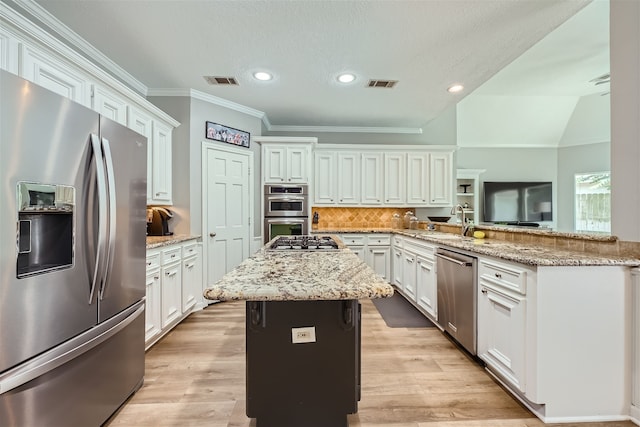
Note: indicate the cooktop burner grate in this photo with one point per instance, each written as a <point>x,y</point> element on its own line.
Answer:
<point>304,243</point>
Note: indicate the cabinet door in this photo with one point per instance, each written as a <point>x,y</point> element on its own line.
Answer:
<point>398,266</point>
<point>161,164</point>
<point>409,275</point>
<point>8,52</point>
<point>635,353</point>
<point>427,291</point>
<point>395,179</point>
<point>348,178</point>
<point>171,293</point>
<point>501,332</point>
<point>297,169</point>
<point>58,77</point>
<point>109,105</point>
<point>274,164</point>
<point>417,179</point>
<point>152,305</point>
<point>325,179</point>
<point>142,123</point>
<point>379,260</point>
<point>360,251</point>
<point>191,282</point>
<point>440,179</point>
<point>371,193</point>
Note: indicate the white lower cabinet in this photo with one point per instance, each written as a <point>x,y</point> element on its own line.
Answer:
<point>409,275</point>
<point>153,320</point>
<point>501,326</point>
<point>397,257</point>
<point>374,249</point>
<point>426,287</point>
<point>173,287</point>
<point>171,292</point>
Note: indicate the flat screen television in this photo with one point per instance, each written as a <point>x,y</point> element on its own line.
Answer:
<point>513,202</point>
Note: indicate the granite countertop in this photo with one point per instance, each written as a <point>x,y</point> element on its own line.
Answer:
<point>271,275</point>
<point>517,252</point>
<point>160,241</point>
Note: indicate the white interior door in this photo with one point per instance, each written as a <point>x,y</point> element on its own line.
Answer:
<point>227,204</point>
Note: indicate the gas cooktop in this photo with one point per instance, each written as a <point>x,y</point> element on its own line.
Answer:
<point>304,243</point>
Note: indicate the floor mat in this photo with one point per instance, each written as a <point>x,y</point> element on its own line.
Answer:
<point>397,312</point>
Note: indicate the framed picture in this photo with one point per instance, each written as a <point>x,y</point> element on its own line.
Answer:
<point>222,133</point>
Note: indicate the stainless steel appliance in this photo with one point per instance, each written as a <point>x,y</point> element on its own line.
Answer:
<point>286,210</point>
<point>286,200</point>
<point>308,243</point>
<point>72,260</point>
<point>457,282</point>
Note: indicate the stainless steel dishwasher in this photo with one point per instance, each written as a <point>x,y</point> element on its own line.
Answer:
<point>457,282</point>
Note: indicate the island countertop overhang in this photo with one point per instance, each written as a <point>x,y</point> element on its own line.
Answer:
<point>300,276</point>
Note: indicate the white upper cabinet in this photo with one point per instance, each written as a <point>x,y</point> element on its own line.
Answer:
<point>8,51</point>
<point>348,173</point>
<point>325,183</point>
<point>384,175</point>
<point>110,104</point>
<point>161,172</point>
<point>45,70</point>
<point>285,160</point>
<point>395,178</point>
<point>440,179</point>
<point>371,165</point>
<point>417,179</point>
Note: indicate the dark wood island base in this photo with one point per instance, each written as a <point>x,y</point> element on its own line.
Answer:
<point>303,362</point>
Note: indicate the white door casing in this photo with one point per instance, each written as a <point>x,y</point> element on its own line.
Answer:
<point>227,203</point>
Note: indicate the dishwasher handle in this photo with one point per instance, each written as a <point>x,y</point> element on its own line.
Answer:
<point>456,261</point>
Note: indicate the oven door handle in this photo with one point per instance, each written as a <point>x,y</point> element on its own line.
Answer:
<point>284,198</point>
<point>286,221</point>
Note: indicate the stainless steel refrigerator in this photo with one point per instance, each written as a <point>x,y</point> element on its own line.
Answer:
<point>72,254</point>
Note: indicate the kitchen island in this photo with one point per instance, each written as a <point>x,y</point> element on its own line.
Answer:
<point>303,332</point>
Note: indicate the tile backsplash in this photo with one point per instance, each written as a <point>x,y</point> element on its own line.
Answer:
<point>357,217</point>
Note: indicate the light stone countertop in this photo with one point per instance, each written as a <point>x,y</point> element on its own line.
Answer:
<point>271,275</point>
<point>161,241</point>
<point>517,252</point>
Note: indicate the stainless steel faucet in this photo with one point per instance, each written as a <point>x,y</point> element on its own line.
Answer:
<point>464,227</point>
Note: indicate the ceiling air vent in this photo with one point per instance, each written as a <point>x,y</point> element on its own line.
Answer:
<point>217,80</point>
<point>382,83</point>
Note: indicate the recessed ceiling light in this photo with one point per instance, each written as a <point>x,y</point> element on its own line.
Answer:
<point>262,75</point>
<point>455,88</point>
<point>346,78</point>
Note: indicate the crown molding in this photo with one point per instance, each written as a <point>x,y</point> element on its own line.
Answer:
<point>70,36</point>
<point>346,129</point>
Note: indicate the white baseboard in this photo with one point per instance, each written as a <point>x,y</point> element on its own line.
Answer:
<point>635,415</point>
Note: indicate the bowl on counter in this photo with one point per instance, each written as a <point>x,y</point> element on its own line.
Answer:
<point>439,218</point>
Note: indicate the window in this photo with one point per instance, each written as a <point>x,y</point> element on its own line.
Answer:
<point>593,202</point>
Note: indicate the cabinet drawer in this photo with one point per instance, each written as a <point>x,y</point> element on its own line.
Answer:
<point>354,239</point>
<point>420,247</point>
<point>171,254</point>
<point>378,240</point>
<point>153,260</point>
<point>189,249</point>
<point>397,241</point>
<point>503,275</point>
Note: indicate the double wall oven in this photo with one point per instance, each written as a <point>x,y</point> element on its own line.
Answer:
<point>286,210</point>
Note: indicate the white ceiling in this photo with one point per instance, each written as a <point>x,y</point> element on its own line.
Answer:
<point>425,45</point>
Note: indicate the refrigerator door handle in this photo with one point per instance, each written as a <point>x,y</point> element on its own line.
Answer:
<point>102,213</point>
<point>71,350</point>
<point>111,192</point>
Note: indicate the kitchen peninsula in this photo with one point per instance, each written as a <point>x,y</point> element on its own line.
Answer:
<point>303,332</point>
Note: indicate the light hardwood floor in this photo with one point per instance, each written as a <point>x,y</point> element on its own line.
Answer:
<point>415,377</point>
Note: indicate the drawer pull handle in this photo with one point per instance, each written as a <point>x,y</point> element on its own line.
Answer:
<point>484,290</point>
<point>499,276</point>
<point>171,273</point>
<point>156,277</point>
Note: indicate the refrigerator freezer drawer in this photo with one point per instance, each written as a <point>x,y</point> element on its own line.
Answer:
<point>87,389</point>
